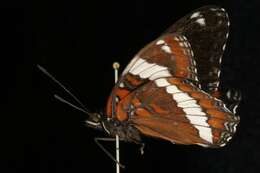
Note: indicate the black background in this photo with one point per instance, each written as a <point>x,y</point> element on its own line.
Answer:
<point>78,41</point>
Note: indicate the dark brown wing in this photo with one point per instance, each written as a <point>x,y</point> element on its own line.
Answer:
<point>207,31</point>
<point>176,110</point>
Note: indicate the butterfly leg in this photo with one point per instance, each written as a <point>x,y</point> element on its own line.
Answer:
<point>107,152</point>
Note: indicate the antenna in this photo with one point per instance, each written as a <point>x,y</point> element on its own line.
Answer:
<point>68,103</point>
<point>65,89</point>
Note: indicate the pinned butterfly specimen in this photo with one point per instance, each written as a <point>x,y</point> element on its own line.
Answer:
<point>170,89</point>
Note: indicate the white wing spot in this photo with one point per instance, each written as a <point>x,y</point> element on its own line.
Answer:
<point>218,73</point>
<point>187,103</point>
<point>182,38</point>
<point>181,44</point>
<point>194,62</point>
<point>205,133</point>
<point>228,23</point>
<point>141,68</point>
<point>160,42</point>
<point>198,120</point>
<point>176,38</point>
<point>192,54</point>
<point>160,74</point>
<point>194,111</point>
<point>162,82</point>
<point>224,46</point>
<point>172,89</point>
<point>220,60</point>
<point>185,44</point>
<point>180,97</point>
<point>190,105</point>
<point>166,48</point>
<point>150,71</point>
<point>195,70</point>
<point>227,35</point>
<point>201,21</point>
<point>196,14</point>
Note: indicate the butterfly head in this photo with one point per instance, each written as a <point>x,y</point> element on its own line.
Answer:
<point>95,120</point>
<point>125,130</point>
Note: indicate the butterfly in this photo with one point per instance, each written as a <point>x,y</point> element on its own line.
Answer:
<point>170,89</point>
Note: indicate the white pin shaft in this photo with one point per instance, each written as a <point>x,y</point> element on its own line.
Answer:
<point>116,75</point>
<point>117,154</point>
<point>117,137</point>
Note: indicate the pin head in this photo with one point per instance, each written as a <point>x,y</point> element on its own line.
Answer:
<point>116,65</point>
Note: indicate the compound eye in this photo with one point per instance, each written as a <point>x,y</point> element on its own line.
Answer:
<point>96,118</point>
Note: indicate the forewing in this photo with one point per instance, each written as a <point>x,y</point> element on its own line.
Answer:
<point>169,55</point>
<point>207,30</point>
<point>176,110</point>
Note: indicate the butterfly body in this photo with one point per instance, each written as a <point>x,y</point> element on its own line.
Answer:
<point>124,129</point>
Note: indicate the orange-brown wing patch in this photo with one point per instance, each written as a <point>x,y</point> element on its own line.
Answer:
<point>168,129</point>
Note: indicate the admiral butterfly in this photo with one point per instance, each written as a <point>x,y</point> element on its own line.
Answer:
<point>170,89</point>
